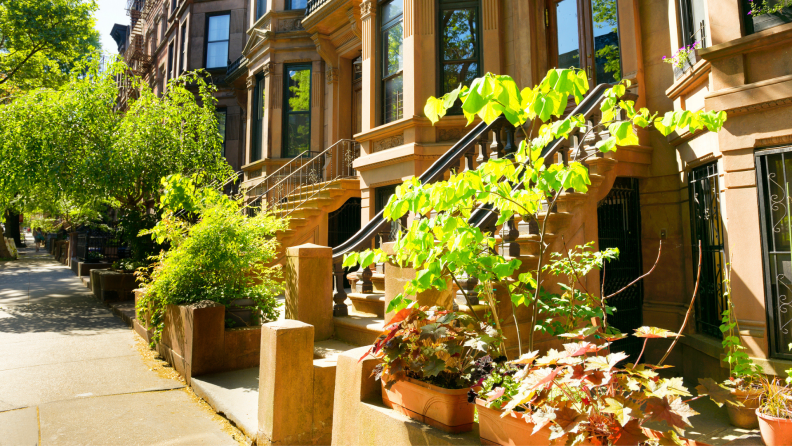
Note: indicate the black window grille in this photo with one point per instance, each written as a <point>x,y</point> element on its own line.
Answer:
<point>774,183</point>
<point>707,227</point>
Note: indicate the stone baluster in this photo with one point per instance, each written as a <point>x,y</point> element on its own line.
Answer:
<point>483,143</point>
<point>509,234</point>
<point>468,157</point>
<point>468,288</point>
<point>364,284</point>
<point>339,296</point>
<point>496,148</point>
<point>510,148</point>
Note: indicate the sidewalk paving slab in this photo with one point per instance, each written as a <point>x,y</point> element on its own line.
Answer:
<point>19,427</point>
<point>150,418</point>
<point>233,394</point>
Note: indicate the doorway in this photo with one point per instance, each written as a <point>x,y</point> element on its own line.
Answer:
<point>619,220</point>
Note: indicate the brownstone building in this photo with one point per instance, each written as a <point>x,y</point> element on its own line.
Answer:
<point>324,100</point>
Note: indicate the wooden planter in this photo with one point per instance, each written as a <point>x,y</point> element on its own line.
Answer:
<point>444,409</point>
<point>196,342</point>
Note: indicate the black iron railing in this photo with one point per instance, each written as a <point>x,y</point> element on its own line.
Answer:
<point>234,65</point>
<point>313,5</point>
<point>105,247</point>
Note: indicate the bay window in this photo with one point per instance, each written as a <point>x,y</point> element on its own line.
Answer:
<point>392,40</point>
<point>297,110</point>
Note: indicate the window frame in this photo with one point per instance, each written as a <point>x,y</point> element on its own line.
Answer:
<point>261,9</point>
<point>259,101</point>
<point>224,112</point>
<point>209,17</point>
<point>382,65</point>
<point>171,74</point>
<point>183,49</point>
<point>440,6</point>
<point>287,113</point>
<point>290,7</point>
<point>686,25</point>
<point>586,39</point>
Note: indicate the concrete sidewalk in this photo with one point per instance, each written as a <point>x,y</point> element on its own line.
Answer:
<point>72,373</point>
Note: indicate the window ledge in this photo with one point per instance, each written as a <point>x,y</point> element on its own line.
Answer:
<point>694,77</point>
<point>773,36</point>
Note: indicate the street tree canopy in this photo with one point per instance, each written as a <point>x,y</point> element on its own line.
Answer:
<point>69,147</point>
<point>40,41</point>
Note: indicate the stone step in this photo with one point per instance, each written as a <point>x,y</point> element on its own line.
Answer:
<point>368,303</point>
<point>358,328</point>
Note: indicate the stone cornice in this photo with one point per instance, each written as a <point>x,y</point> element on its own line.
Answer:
<point>769,37</point>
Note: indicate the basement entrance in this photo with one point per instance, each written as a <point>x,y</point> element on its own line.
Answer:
<point>619,220</point>
<point>343,224</point>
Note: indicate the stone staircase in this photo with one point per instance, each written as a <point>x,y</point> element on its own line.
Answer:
<point>572,223</point>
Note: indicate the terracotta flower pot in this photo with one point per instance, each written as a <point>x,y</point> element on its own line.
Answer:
<point>444,409</point>
<point>745,416</point>
<point>775,431</point>
<point>511,430</point>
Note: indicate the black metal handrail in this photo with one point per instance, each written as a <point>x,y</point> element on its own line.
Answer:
<point>234,65</point>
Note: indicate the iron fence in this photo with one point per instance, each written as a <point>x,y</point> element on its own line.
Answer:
<point>108,246</point>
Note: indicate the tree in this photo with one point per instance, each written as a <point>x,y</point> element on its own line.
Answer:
<point>68,147</point>
<point>40,41</point>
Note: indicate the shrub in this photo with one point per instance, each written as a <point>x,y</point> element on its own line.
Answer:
<point>221,257</point>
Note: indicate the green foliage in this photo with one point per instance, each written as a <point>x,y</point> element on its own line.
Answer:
<point>743,372</point>
<point>575,307</point>
<point>761,7</point>
<point>433,345</point>
<point>222,257</point>
<point>69,149</point>
<point>41,40</point>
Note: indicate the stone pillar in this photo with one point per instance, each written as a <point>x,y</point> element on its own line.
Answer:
<point>369,22</point>
<point>286,388</point>
<point>309,287</point>
<point>395,279</point>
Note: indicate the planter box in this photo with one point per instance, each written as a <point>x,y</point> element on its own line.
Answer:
<point>511,430</point>
<point>444,409</point>
<point>84,268</point>
<point>195,341</point>
<point>115,286</point>
<point>514,430</point>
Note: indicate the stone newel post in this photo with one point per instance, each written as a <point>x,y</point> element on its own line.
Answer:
<point>309,287</point>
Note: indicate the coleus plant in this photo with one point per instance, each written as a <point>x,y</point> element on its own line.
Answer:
<point>584,396</point>
<point>433,345</point>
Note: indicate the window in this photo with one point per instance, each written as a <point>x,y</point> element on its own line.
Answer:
<point>261,8</point>
<point>297,110</point>
<point>221,116</point>
<point>774,183</point>
<point>171,62</point>
<point>758,15</point>
<point>707,227</point>
<point>585,34</point>
<point>258,118</point>
<point>173,5</point>
<point>392,39</point>
<point>183,51</point>
<point>459,43</point>
<point>217,41</point>
<point>693,19</point>
<point>295,4</point>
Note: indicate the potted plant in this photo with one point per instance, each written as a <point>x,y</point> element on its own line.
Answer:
<point>775,412</point>
<point>429,355</point>
<point>93,257</point>
<point>581,395</point>
<point>745,377</point>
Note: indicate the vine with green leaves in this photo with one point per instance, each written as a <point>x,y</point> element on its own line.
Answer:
<point>440,243</point>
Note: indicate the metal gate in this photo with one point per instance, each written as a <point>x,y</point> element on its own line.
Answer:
<point>774,183</point>
<point>707,226</point>
<point>619,221</point>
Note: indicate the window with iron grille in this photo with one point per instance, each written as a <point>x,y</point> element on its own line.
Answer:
<point>693,20</point>
<point>707,227</point>
<point>392,40</point>
<point>774,183</point>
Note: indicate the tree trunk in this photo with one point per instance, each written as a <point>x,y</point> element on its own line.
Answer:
<point>12,227</point>
<point>4,253</point>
